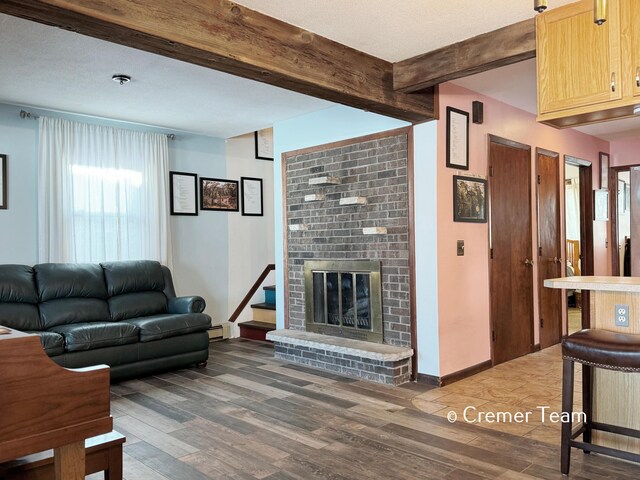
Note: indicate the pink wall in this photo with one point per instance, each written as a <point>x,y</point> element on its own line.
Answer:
<point>463,282</point>
<point>625,152</point>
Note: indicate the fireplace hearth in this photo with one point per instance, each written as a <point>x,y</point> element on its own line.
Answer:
<point>343,298</point>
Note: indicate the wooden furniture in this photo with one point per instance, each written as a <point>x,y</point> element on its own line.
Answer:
<point>588,73</point>
<point>615,394</point>
<point>45,406</point>
<point>594,349</point>
<point>102,453</point>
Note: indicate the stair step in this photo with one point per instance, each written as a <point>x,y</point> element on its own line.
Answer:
<point>267,327</point>
<point>255,330</point>
<point>264,306</point>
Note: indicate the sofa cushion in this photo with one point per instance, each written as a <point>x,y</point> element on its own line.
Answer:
<point>70,280</point>
<point>133,276</point>
<point>87,336</point>
<point>17,284</point>
<point>157,327</point>
<point>134,305</point>
<point>21,316</point>
<point>73,310</point>
<point>18,298</point>
<point>52,342</point>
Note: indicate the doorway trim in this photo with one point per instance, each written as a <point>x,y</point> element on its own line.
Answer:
<point>586,229</point>
<point>509,143</point>
<point>613,215</point>
<point>559,247</point>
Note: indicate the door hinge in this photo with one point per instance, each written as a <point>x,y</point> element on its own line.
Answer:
<point>491,253</point>
<point>539,251</point>
<point>493,335</point>
<point>541,323</point>
<point>539,180</point>
<point>491,171</point>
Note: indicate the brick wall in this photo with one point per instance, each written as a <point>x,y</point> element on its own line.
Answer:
<point>375,169</point>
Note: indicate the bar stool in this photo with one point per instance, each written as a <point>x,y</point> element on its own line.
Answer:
<point>594,349</point>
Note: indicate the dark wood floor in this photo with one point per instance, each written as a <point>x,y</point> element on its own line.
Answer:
<point>248,416</point>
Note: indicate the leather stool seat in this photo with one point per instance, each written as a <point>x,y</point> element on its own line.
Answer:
<point>604,349</point>
<point>594,349</point>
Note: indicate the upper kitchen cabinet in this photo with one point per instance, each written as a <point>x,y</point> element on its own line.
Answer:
<point>630,41</point>
<point>588,73</point>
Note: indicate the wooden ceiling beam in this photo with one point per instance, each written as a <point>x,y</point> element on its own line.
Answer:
<point>228,37</point>
<point>501,47</point>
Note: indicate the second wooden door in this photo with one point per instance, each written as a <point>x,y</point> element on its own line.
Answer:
<point>549,247</point>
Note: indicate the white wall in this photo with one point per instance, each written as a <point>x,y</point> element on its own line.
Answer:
<point>201,244</point>
<point>18,234</point>
<point>426,230</point>
<point>251,239</point>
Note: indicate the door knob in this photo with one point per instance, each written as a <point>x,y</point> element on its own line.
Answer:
<point>557,260</point>
<point>528,262</point>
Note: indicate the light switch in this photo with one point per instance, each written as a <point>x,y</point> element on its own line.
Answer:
<point>461,248</point>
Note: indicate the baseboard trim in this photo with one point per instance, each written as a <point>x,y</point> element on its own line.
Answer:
<point>455,376</point>
<point>428,379</point>
<point>536,347</point>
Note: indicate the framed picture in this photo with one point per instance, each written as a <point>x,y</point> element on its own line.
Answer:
<point>251,196</point>
<point>3,182</point>
<point>183,189</point>
<point>601,205</point>
<point>604,171</point>
<point>218,194</point>
<point>264,144</point>
<point>469,199</point>
<point>457,139</point>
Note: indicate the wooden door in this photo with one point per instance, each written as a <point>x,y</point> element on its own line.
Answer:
<point>630,19</point>
<point>578,61</point>
<point>635,222</point>
<point>511,265</point>
<point>549,247</point>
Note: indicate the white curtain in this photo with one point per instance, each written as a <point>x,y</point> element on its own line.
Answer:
<point>572,208</point>
<point>103,194</point>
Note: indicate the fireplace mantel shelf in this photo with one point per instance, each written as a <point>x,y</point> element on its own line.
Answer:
<point>359,348</point>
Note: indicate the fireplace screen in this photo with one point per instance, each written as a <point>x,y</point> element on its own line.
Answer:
<point>343,298</point>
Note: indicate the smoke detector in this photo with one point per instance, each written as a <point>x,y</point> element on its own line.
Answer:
<point>121,79</point>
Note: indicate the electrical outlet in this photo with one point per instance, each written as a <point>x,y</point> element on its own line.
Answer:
<point>622,315</point>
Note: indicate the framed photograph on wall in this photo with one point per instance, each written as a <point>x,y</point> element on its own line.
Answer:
<point>251,189</point>
<point>218,194</point>
<point>601,205</point>
<point>457,139</point>
<point>183,191</point>
<point>604,171</point>
<point>264,144</point>
<point>3,182</point>
<point>469,199</point>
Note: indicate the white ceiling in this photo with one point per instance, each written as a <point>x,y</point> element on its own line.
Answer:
<point>43,66</point>
<point>398,29</point>
<point>52,68</point>
<point>516,85</point>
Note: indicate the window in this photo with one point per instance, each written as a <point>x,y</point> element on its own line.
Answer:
<point>102,193</point>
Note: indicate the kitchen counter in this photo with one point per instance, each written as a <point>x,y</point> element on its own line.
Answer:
<point>616,395</point>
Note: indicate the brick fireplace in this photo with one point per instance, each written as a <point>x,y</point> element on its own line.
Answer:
<point>347,206</point>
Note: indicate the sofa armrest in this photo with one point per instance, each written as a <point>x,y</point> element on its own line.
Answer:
<point>193,304</point>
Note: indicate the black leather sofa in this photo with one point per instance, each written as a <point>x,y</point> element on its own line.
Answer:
<point>123,314</point>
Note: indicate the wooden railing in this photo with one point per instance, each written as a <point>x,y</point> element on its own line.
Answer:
<point>247,298</point>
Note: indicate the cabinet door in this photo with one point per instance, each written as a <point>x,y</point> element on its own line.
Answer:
<point>578,61</point>
<point>630,28</point>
